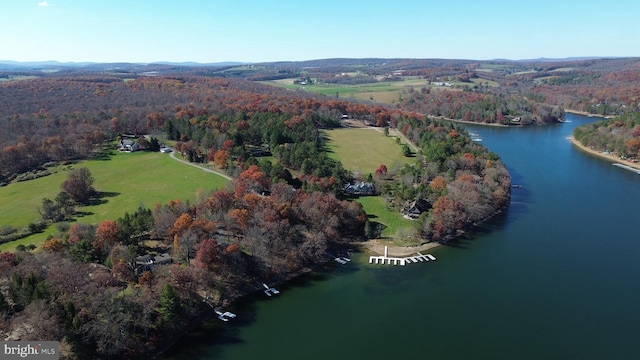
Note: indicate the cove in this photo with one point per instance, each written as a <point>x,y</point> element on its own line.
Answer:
<point>553,277</point>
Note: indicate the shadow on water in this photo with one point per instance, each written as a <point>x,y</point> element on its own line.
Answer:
<point>217,335</point>
<point>521,196</point>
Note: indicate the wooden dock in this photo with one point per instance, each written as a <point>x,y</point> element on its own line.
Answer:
<point>402,261</point>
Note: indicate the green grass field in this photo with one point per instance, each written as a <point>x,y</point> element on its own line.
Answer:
<point>128,179</point>
<point>397,227</point>
<point>364,150</point>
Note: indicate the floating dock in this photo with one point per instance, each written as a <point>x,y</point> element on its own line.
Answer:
<point>402,261</point>
<point>270,290</point>
<point>342,260</point>
<point>626,167</point>
<point>225,316</point>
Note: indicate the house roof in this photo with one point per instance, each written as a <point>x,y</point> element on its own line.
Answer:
<point>162,258</point>
<point>144,259</point>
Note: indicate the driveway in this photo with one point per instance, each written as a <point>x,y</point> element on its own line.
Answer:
<point>173,156</point>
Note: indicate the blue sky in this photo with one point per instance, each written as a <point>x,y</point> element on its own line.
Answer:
<point>269,30</point>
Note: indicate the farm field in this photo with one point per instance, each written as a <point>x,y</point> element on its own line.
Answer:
<point>363,150</point>
<point>127,180</point>
<point>380,92</point>
<point>16,78</point>
<point>484,82</point>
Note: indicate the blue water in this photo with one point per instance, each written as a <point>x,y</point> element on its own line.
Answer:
<point>556,276</point>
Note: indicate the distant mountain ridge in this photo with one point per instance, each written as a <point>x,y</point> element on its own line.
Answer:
<point>35,65</point>
<point>575,58</point>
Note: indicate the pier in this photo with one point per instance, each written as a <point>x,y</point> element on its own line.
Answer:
<point>402,261</point>
<point>626,167</point>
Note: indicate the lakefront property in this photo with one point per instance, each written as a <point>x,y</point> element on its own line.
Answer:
<point>122,252</point>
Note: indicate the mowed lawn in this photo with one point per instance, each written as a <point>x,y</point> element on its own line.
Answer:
<point>397,227</point>
<point>127,181</point>
<point>363,150</point>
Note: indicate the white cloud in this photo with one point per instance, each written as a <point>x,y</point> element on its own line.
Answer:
<point>43,4</point>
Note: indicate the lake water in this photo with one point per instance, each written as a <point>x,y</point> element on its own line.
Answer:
<point>557,276</point>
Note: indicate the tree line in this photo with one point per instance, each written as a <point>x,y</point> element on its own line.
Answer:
<point>619,135</point>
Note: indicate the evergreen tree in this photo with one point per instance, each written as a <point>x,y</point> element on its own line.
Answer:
<point>406,151</point>
<point>170,306</point>
<point>154,144</point>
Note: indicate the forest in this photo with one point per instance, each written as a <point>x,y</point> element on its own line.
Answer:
<point>619,135</point>
<point>286,209</point>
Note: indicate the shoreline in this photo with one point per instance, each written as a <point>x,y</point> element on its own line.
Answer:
<point>610,157</point>
<point>377,246</point>
<point>472,122</point>
<point>584,113</point>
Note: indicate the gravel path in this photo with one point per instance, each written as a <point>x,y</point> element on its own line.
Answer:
<point>173,156</point>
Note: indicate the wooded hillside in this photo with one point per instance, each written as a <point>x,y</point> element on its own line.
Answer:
<point>90,286</point>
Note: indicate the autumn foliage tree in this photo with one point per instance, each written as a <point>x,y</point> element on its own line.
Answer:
<point>438,184</point>
<point>107,235</point>
<point>53,245</point>
<point>79,185</point>
<point>381,171</point>
<point>207,251</point>
<point>182,223</point>
<point>108,232</point>
<point>220,158</point>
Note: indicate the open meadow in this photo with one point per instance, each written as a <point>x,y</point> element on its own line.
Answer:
<point>126,181</point>
<point>363,150</point>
